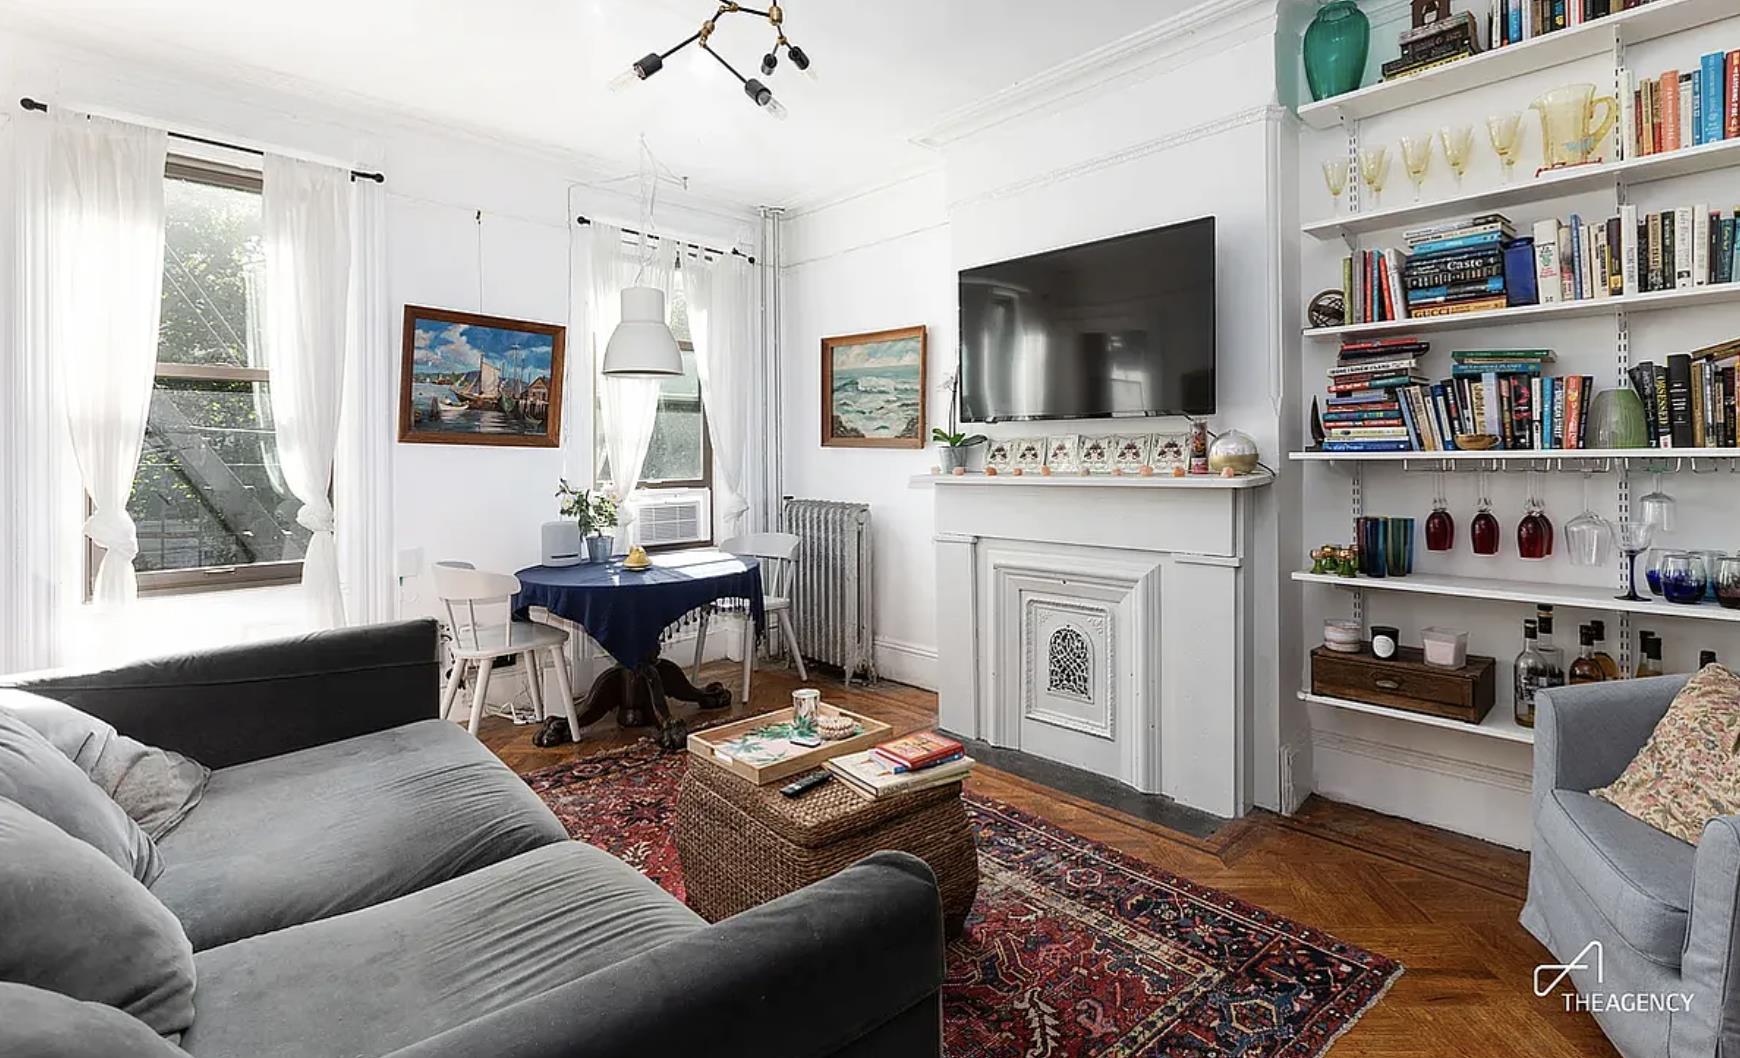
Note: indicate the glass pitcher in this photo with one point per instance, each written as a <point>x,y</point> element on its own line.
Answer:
<point>1569,133</point>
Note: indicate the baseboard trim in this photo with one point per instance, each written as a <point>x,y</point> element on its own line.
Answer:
<point>906,662</point>
<point>1453,767</point>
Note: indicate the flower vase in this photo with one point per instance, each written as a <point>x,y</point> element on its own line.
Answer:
<point>1336,45</point>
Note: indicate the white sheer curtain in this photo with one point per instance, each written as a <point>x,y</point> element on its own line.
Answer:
<point>628,406</point>
<point>307,225</point>
<point>105,277</point>
<point>720,294</point>
<point>362,473</point>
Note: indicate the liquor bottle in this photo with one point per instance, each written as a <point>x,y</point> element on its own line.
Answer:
<point>1531,676</point>
<point>1609,667</point>
<point>1706,657</point>
<point>1648,654</point>
<point>1585,669</point>
<point>1544,645</point>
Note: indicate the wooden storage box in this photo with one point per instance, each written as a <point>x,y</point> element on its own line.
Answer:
<point>711,744</point>
<point>1406,682</point>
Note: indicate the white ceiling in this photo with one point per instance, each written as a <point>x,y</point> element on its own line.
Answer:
<point>535,71</point>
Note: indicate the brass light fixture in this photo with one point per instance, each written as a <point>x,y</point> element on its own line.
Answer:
<point>758,92</point>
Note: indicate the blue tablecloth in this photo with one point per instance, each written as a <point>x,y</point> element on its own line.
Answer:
<point>626,612</point>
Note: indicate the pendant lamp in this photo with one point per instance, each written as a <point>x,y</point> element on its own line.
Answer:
<point>642,346</point>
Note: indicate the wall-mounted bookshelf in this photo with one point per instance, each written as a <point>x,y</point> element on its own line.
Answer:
<point>1499,723</point>
<point>1655,301</point>
<point>1658,19</point>
<point>1534,456</point>
<point>1554,183</point>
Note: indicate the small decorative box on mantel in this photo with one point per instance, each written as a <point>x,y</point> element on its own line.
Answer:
<point>1406,682</point>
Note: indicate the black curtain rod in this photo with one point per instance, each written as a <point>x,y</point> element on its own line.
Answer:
<point>734,251</point>
<point>355,174</point>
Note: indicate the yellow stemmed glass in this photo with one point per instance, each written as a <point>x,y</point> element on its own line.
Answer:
<point>1417,160</point>
<point>1505,131</point>
<point>1335,176</point>
<point>1374,169</point>
<point>1458,143</point>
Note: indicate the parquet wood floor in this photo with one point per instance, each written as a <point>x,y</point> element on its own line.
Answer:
<point>1444,905</point>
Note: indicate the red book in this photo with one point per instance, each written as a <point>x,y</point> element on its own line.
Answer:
<point>918,750</point>
<point>1731,120</point>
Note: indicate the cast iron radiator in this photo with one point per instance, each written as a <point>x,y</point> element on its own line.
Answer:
<point>831,597</point>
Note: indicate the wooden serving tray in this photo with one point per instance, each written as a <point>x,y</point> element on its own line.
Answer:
<point>712,745</point>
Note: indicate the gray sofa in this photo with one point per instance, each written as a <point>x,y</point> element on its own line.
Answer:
<point>361,878</point>
<point>1667,913</point>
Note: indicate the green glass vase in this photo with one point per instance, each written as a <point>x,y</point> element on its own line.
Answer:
<point>1336,44</point>
<point>1617,420</point>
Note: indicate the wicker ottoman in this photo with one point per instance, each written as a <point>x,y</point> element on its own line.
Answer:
<point>743,845</point>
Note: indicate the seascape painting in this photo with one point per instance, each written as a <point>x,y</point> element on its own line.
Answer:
<point>471,379</point>
<point>873,390</point>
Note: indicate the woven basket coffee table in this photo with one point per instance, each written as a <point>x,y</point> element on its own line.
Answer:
<point>743,845</point>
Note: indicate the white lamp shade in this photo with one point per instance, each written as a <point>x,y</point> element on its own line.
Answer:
<point>642,346</point>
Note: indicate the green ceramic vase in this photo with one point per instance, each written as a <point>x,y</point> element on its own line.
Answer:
<point>1336,44</point>
<point>1617,420</point>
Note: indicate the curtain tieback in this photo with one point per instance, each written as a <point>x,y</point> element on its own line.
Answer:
<point>112,529</point>
<point>315,517</point>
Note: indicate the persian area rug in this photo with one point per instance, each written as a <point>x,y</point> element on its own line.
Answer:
<point>1073,949</point>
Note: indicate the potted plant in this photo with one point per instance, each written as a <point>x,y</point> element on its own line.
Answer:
<point>954,449</point>
<point>593,512</point>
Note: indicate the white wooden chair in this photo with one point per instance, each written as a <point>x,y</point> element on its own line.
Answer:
<point>776,553</point>
<point>479,616</point>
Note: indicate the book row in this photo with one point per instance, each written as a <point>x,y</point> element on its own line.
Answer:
<point>1680,109</point>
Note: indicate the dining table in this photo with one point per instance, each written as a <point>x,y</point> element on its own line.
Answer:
<point>629,613</point>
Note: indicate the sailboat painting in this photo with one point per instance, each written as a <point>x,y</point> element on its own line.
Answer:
<point>484,380</point>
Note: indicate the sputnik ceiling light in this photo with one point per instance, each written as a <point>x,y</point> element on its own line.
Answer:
<point>752,87</point>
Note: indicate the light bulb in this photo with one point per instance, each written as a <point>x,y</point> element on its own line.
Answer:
<point>625,80</point>
<point>775,108</point>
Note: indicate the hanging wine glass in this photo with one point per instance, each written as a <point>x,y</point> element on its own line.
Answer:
<point>1484,532</point>
<point>1534,533</point>
<point>1632,536</point>
<point>1440,527</point>
<point>1588,537</point>
<point>1658,508</point>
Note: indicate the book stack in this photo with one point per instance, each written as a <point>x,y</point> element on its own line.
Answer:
<point>1363,413</point>
<point>905,765</point>
<point>1635,253</point>
<point>1681,109</point>
<point>1434,44</point>
<point>1456,267</point>
<point>1515,21</point>
<point>1503,393</point>
<point>1690,401</point>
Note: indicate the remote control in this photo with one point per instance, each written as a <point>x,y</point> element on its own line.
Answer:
<point>805,784</point>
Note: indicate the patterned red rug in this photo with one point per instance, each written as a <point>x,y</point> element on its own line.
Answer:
<point>1073,948</point>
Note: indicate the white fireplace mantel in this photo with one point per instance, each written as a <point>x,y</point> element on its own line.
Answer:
<point>1103,622</point>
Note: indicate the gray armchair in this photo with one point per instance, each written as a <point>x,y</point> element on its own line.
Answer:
<point>1664,911</point>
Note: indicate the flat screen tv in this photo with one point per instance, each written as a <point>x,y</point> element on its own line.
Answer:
<point>1120,327</point>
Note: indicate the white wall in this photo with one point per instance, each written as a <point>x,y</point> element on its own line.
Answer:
<point>471,225</point>
<point>1116,154</point>
<point>872,263</point>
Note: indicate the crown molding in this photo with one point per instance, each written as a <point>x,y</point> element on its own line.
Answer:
<point>1225,123</point>
<point>1196,31</point>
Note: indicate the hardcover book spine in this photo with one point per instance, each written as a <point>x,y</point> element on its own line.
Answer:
<point>1628,252</point>
<point>1535,417</point>
<point>1732,95</point>
<point>1670,110</point>
<point>1712,95</point>
<point>1679,390</point>
<point>1579,288</point>
<point>1664,422</point>
<point>1700,245</point>
<point>1547,261</point>
<point>1682,248</point>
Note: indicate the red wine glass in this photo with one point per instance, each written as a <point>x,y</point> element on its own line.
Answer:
<point>1534,534</point>
<point>1484,531</point>
<point>1440,527</point>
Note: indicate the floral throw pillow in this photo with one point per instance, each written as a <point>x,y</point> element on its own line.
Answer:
<point>1687,773</point>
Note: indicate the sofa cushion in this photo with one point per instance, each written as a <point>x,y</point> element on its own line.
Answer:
<point>73,922</point>
<point>369,982</point>
<point>44,780</point>
<point>37,1023</point>
<point>1687,773</point>
<point>329,829</point>
<point>1637,877</point>
<point>155,787</point>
